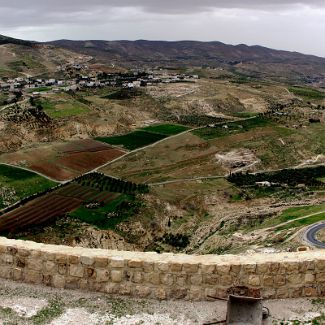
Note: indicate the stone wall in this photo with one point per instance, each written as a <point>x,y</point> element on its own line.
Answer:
<point>162,276</point>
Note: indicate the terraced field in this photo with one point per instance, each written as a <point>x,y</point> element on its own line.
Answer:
<point>144,137</point>
<point>64,161</point>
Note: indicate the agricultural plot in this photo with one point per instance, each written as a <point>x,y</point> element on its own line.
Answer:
<point>231,128</point>
<point>16,184</point>
<point>144,137</point>
<point>62,105</point>
<point>91,194</point>
<point>65,161</point>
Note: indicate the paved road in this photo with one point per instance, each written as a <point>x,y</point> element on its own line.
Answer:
<point>310,235</point>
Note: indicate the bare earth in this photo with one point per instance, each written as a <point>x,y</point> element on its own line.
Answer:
<point>26,304</point>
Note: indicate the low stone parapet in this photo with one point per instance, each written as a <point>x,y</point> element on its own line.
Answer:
<point>163,276</point>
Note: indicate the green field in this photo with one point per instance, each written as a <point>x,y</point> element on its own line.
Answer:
<point>166,129</point>
<point>230,128</point>
<point>64,109</point>
<point>294,213</point>
<point>307,92</point>
<point>133,140</point>
<point>303,222</point>
<point>20,183</point>
<point>109,216</point>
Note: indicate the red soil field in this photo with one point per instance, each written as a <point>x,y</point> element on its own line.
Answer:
<point>65,161</point>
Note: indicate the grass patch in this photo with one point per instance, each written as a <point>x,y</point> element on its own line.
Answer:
<point>166,129</point>
<point>52,311</point>
<point>39,89</point>
<point>16,184</point>
<point>308,93</point>
<point>109,216</point>
<point>303,222</point>
<point>293,213</point>
<point>231,128</point>
<point>244,114</point>
<point>133,140</point>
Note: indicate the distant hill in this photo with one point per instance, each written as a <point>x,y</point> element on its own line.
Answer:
<point>10,40</point>
<point>257,61</point>
<point>21,58</point>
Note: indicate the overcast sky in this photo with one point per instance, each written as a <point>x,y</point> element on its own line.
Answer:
<point>281,24</point>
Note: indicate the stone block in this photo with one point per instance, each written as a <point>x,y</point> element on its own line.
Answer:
<point>212,279</point>
<point>196,279</point>
<point>12,250</point>
<point>154,278</point>
<point>23,252</point>
<point>208,268</point>
<point>137,277</point>
<point>102,275</point>
<point>71,283</point>
<point>249,268</point>
<point>125,289</point>
<point>47,279</point>
<point>160,294</point>
<point>310,291</point>
<point>225,280</point>
<point>162,266</point>
<point>50,267</point>
<point>294,279</point>
<point>6,259</point>
<point>320,265</point>
<point>254,280</point>
<point>148,266</point>
<point>291,267</point>
<point>320,277</point>
<point>76,270</point>
<point>190,268</point>
<point>74,259</point>
<point>178,293</point>
<point>282,293</point>
<point>62,268</point>
<point>87,260</point>
<point>32,276</point>
<point>267,281</point>
<point>175,267</point>
<point>223,269</point>
<point>135,264</point>
<point>6,272</point>
<point>90,272</point>
<point>195,293</point>
<point>142,291</point>
<point>274,268</point>
<point>17,274</point>
<point>309,278</point>
<point>61,258</point>
<point>262,268</point>
<point>235,269</point>
<point>181,280</point>
<point>167,279</point>
<point>116,276</point>
<point>101,261</point>
<point>279,280</point>
<point>117,262</point>
<point>58,281</point>
<point>35,264</point>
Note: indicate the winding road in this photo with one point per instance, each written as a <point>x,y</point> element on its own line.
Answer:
<point>310,235</point>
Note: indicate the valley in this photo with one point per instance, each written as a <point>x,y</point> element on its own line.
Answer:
<point>200,160</point>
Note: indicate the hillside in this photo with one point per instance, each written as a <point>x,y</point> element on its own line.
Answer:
<point>10,40</point>
<point>255,61</point>
<point>21,58</point>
